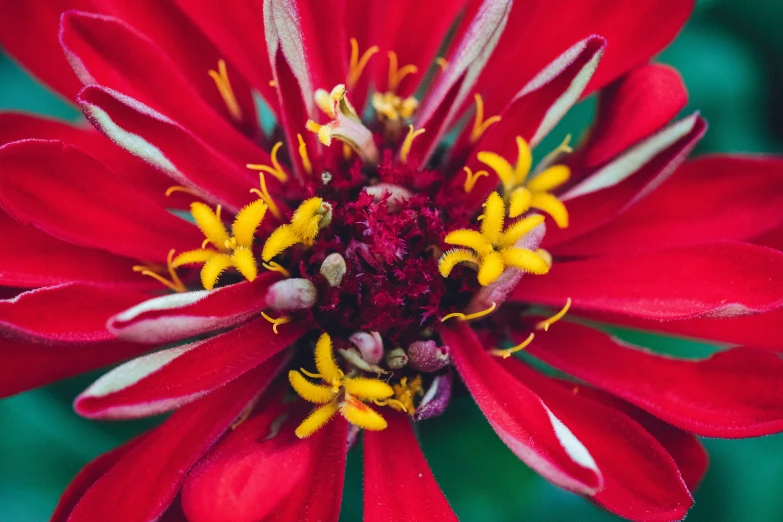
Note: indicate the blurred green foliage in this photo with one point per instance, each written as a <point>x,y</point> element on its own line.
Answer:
<point>730,57</point>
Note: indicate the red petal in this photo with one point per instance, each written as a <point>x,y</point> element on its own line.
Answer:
<point>732,394</point>
<point>607,192</point>
<point>442,106</point>
<point>88,475</point>
<point>19,126</point>
<point>758,330</point>
<point>242,475</point>
<point>168,379</point>
<point>29,259</point>
<point>685,448</point>
<point>540,30</point>
<point>711,198</point>
<point>108,51</point>
<point>398,483</point>
<point>173,149</point>
<point>641,481</point>
<point>520,418</point>
<point>177,316</point>
<point>716,280</point>
<point>66,313</point>
<point>28,365</point>
<point>71,196</point>
<point>28,31</point>
<point>145,481</point>
<point>631,109</point>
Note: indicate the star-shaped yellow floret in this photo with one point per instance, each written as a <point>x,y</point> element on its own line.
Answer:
<point>523,194</point>
<point>338,393</point>
<point>492,249</point>
<point>234,250</point>
<point>311,216</point>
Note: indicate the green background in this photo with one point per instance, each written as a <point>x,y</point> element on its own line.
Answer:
<point>731,56</point>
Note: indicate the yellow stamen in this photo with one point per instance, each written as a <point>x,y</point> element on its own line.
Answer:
<point>468,317</point>
<point>544,325</point>
<point>394,403</point>
<point>223,85</point>
<point>276,169</point>
<point>266,197</point>
<point>179,188</point>
<point>442,63</point>
<point>397,74</point>
<point>315,393</point>
<point>480,125</point>
<point>317,419</point>
<point>408,143</point>
<point>308,167</point>
<point>275,267</point>
<point>521,346</point>
<point>175,284</point>
<point>471,178</point>
<point>404,394</point>
<point>276,322</point>
<point>204,243</point>
<point>358,64</point>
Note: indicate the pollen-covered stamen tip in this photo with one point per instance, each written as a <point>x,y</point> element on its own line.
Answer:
<point>345,125</point>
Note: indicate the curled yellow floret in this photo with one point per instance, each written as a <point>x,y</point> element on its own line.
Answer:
<point>311,216</point>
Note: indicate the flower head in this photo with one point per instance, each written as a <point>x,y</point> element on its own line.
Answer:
<point>398,235</point>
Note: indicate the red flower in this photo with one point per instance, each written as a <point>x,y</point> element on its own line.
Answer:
<point>381,274</point>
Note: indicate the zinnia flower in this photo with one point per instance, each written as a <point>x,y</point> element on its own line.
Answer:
<point>389,237</point>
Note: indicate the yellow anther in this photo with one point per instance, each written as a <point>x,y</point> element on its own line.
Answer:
<point>493,248</point>
<point>544,325</point>
<point>408,143</point>
<point>266,197</point>
<point>276,322</point>
<point>275,267</point>
<point>442,63</point>
<point>521,346</point>
<point>404,393</point>
<point>308,167</point>
<point>347,152</point>
<point>272,83</point>
<point>180,188</point>
<point>480,125</point>
<point>545,255</point>
<point>311,216</point>
<point>174,284</point>
<point>324,102</point>
<point>392,108</point>
<point>394,403</point>
<point>229,251</point>
<point>471,178</point>
<point>276,169</point>
<point>523,194</point>
<point>338,393</point>
<point>468,317</point>
<point>223,85</point>
<point>358,64</point>
<point>397,74</point>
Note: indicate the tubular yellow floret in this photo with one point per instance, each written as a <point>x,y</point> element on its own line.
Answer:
<point>223,85</point>
<point>480,125</point>
<point>471,178</point>
<point>317,419</point>
<point>315,393</point>
<point>525,260</point>
<point>243,260</point>
<point>552,206</point>
<point>468,317</point>
<point>368,389</point>
<point>209,223</point>
<point>358,64</point>
<point>278,241</point>
<point>468,238</point>
<point>524,160</point>
<point>247,222</point>
<point>306,165</point>
<point>453,257</point>
<point>501,167</point>
<point>492,218</point>
<point>215,265</point>
<point>521,346</point>
<point>408,143</point>
<point>550,179</point>
<point>544,325</point>
<point>359,414</point>
<point>324,360</point>
<point>519,228</point>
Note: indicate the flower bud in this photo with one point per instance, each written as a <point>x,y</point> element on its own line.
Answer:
<point>427,356</point>
<point>370,345</point>
<point>333,269</point>
<point>396,359</point>
<point>436,399</point>
<point>291,294</point>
